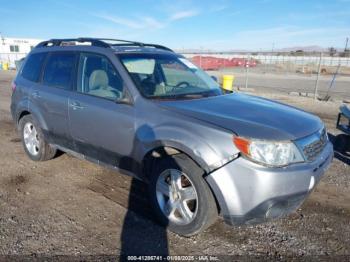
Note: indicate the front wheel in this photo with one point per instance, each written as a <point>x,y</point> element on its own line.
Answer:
<point>180,197</point>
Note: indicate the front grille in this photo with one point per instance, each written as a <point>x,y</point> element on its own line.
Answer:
<point>314,145</point>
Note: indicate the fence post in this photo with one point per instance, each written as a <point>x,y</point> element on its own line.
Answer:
<point>317,77</point>
<point>246,72</point>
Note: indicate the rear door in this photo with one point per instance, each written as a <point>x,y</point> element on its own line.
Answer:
<point>101,126</point>
<point>51,96</point>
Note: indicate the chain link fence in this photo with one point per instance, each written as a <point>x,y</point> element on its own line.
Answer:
<point>318,75</point>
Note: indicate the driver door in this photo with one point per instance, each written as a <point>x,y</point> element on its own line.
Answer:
<point>102,128</point>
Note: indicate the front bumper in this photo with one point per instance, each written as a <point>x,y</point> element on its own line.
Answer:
<point>250,193</point>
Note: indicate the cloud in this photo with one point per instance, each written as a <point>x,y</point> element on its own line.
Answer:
<point>152,22</point>
<point>218,8</point>
<point>183,14</point>
<point>145,22</point>
<point>121,21</point>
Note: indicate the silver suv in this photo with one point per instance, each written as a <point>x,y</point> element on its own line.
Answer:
<point>145,111</point>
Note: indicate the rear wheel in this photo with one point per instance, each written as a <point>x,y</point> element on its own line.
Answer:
<point>180,197</point>
<point>33,140</point>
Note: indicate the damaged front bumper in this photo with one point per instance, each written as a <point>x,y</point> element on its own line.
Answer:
<point>250,193</point>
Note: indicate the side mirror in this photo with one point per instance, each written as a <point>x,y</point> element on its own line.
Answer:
<point>126,99</point>
<point>214,78</point>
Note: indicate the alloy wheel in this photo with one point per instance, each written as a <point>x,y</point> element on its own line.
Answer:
<point>177,197</point>
<point>31,139</point>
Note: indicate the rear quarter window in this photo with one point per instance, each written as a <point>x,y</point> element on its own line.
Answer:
<point>32,67</point>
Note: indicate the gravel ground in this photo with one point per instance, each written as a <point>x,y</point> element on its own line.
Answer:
<point>67,206</point>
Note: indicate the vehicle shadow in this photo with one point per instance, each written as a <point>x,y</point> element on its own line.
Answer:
<point>141,235</point>
<point>341,151</point>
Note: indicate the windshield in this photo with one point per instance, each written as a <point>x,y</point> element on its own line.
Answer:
<point>168,76</point>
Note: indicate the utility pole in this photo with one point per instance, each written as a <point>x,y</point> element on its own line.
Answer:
<point>2,39</point>
<point>318,76</point>
<point>246,71</point>
<point>338,69</point>
<point>273,47</point>
<point>346,44</point>
<point>346,50</point>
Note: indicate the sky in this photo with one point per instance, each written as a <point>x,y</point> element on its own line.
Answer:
<point>184,24</point>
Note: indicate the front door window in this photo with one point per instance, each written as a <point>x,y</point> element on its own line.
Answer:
<point>98,77</point>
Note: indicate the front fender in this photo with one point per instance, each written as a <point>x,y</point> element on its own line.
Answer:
<point>206,146</point>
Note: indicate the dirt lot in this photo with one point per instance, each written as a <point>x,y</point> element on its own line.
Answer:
<point>68,206</point>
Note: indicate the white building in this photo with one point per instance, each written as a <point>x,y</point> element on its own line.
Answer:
<point>12,49</point>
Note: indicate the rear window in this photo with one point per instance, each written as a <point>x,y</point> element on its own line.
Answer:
<point>59,70</point>
<point>32,67</point>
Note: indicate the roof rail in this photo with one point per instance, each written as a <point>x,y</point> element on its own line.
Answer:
<point>58,42</point>
<point>132,43</point>
<point>100,42</point>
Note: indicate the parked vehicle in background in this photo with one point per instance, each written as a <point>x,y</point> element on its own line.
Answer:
<point>250,63</point>
<point>237,61</point>
<point>206,62</point>
<point>343,124</point>
<point>148,112</point>
<point>214,63</point>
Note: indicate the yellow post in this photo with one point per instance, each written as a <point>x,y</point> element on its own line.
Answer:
<point>5,66</point>
<point>227,82</point>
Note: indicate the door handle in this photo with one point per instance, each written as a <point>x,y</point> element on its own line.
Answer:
<point>76,105</point>
<point>36,94</point>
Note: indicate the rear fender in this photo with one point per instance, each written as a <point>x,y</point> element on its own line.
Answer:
<point>28,106</point>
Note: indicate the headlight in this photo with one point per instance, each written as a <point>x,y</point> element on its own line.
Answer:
<point>269,153</point>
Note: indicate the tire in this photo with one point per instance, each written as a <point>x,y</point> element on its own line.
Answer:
<point>37,149</point>
<point>200,213</point>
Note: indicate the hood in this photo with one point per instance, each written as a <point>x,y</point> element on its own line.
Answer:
<point>249,116</point>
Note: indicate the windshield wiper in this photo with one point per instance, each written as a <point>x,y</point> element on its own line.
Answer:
<point>185,96</point>
<point>198,95</point>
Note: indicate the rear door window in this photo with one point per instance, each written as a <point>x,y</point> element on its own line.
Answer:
<point>59,70</point>
<point>32,67</point>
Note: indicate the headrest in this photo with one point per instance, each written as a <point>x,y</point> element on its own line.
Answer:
<point>98,78</point>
